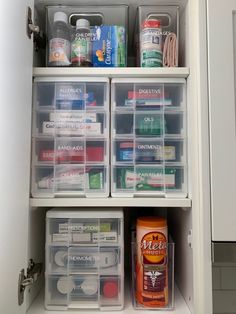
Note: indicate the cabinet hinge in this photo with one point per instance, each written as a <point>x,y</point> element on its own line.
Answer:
<point>33,272</point>
<point>38,35</point>
<point>190,238</point>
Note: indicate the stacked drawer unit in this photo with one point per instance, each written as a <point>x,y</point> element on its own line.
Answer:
<point>148,153</point>
<point>84,260</point>
<point>70,150</point>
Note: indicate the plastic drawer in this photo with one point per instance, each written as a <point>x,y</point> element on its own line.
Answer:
<point>70,151</point>
<point>68,292</point>
<point>149,123</point>
<point>148,151</point>
<point>89,231</point>
<point>49,123</point>
<point>70,94</point>
<point>142,95</point>
<point>79,260</point>
<point>70,180</point>
<point>149,180</point>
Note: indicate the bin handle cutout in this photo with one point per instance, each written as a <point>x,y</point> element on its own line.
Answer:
<point>95,19</point>
<point>166,19</point>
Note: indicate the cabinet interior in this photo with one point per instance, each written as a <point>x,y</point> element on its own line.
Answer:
<point>179,219</point>
<point>179,227</point>
<point>40,19</point>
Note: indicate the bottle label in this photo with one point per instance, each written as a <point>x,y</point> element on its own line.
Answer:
<point>151,38</point>
<point>81,49</point>
<point>59,51</point>
<point>154,280</point>
<point>154,260</point>
<point>151,47</point>
<point>154,248</point>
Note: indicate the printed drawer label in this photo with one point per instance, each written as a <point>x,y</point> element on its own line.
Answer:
<point>146,178</point>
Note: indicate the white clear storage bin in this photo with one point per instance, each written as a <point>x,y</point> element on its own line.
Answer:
<point>157,41</point>
<point>149,137</point>
<point>84,259</point>
<point>97,16</point>
<point>70,151</point>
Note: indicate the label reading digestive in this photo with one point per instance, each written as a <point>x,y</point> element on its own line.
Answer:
<point>59,51</point>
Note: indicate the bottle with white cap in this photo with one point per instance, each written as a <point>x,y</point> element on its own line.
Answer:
<point>59,41</point>
<point>81,49</point>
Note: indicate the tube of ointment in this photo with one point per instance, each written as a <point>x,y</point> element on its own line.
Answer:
<point>46,182</point>
<point>65,179</point>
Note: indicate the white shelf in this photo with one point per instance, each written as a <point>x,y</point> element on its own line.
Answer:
<point>110,202</point>
<point>181,72</point>
<point>180,306</point>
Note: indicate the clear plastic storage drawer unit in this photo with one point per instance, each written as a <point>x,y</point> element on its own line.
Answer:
<point>84,259</point>
<point>70,148</point>
<point>149,135</point>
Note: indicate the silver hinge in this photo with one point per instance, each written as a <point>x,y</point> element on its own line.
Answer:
<point>39,37</point>
<point>33,272</point>
<point>30,27</point>
<point>190,238</point>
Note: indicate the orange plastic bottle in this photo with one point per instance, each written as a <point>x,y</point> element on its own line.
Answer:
<point>151,264</point>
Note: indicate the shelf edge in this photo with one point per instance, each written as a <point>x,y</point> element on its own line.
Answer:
<point>178,72</point>
<point>110,202</point>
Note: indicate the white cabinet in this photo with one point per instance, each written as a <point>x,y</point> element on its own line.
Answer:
<point>23,219</point>
<point>222,102</point>
<point>16,68</point>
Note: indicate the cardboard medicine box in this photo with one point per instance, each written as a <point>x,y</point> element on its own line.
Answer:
<point>109,46</point>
